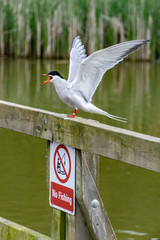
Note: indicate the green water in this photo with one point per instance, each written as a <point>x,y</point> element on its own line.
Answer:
<point>130,194</point>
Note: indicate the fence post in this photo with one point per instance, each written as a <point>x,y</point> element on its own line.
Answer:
<point>88,223</point>
<point>65,226</point>
<point>96,217</point>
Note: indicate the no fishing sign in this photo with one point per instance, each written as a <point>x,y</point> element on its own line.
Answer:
<point>62,177</point>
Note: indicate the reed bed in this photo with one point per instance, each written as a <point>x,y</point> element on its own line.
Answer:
<point>46,28</point>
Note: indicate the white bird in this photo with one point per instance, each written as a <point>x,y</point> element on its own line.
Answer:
<point>85,74</point>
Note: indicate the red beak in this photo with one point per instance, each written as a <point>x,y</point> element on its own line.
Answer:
<point>46,80</point>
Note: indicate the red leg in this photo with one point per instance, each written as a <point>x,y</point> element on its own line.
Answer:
<point>74,114</point>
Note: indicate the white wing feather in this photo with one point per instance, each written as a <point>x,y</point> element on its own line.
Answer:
<point>92,68</point>
<point>77,54</point>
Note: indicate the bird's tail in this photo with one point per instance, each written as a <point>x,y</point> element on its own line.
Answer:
<point>94,109</point>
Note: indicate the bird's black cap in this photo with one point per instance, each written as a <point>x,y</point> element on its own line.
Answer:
<point>54,73</point>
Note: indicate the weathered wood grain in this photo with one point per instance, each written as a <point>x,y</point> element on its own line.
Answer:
<point>120,144</point>
<point>93,165</point>
<point>76,227</point>
<point>12,231</point>
<point>86,191</point>
<point>56,224</point>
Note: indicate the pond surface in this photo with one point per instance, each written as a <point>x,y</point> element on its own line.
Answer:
<point>131,195</point>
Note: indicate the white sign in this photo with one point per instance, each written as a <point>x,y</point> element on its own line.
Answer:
<point>62,177</point>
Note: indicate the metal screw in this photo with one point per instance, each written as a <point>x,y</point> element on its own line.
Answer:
<point>95,203</point>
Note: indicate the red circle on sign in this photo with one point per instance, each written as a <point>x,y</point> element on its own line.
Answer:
<point>54,161</point>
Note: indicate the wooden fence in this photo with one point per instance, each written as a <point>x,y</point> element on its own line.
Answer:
<point>91,139</point>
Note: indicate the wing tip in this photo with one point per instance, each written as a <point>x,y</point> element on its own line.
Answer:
<point>142,42</point>
<point>75,40</point>
<point>77,44</point>
<point>145,40</point>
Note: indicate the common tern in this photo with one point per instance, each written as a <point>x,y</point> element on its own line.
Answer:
<point>85,74</point>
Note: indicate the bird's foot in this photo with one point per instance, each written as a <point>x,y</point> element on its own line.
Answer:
<point>74,114</point>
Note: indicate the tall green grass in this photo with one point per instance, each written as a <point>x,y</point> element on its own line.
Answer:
<point>46,28</point>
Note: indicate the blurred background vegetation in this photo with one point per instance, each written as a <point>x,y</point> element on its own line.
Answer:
<point>46,28</point>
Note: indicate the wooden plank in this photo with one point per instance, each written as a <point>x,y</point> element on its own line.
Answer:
<point>13,231</point>
<point>76,227</point>
<point>88,135</point>
<point>86,191</point>
<point>58,224</point>
<point>92,161</point>
<point>93,165</point>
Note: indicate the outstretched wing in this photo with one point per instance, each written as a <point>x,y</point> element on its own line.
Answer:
<point>93,67</point>
<point>77,54</point>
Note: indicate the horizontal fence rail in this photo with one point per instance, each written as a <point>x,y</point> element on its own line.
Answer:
<point>87,135</point>
<point>10,230</point>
